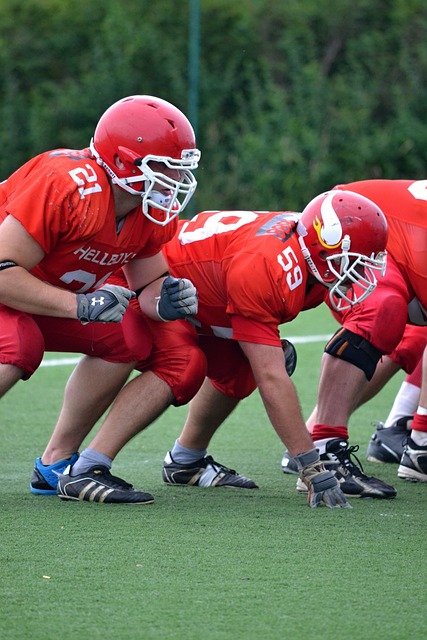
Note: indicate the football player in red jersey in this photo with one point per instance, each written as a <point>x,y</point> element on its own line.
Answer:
<point>388,440</point>
<point>254,271</point>
<point>69,219</point>
<point>375,327</point>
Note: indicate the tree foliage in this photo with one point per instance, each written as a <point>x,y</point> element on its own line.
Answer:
<point>294,96</point>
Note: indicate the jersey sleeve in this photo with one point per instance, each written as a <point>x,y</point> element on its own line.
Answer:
<point>248,330</point>
<point>49,207</point>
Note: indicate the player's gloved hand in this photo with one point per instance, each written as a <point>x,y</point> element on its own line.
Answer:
<point>178,299</point>
<point>107,304</point>
<point>322,485</point>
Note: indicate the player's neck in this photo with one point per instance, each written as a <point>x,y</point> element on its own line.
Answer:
<point>124,202</point>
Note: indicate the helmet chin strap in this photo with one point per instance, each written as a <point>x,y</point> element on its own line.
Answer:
<point>307,256</point>
<point>156,197</point>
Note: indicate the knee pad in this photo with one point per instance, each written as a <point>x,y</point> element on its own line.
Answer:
<point>354,349</point>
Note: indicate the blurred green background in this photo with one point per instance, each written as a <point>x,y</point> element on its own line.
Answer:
<point>287,98</point>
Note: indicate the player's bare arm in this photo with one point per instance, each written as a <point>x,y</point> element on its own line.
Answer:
<point>282,406</point>
<point>18,288</point>
<point>161,297</point>
<point>274,384</point>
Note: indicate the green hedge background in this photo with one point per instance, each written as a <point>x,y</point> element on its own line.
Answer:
<point>292,96</point>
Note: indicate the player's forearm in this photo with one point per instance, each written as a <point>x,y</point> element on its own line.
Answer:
<point>177,299</point>
<point>20,290</point>
<point>279,395</point>
<point>283,409</point>
<point>148,298</point>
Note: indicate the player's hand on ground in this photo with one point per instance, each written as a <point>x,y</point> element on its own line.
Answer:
<point>107,304</point>
<point>323,487</point>
<point>178,299</point>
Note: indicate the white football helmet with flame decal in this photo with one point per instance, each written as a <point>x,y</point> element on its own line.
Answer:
<point>343,237</point>
<point>139,130</point>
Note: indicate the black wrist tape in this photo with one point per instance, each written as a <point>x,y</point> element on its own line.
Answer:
<point>6,264</point>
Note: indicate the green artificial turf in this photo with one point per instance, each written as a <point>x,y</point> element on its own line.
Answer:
<point>207,563</point>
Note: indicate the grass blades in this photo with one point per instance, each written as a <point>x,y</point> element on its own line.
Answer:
<point>207,563</point>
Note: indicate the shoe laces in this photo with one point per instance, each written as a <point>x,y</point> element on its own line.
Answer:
<point>219,467</point>
<point>347,457</point>
<point>113,481</point>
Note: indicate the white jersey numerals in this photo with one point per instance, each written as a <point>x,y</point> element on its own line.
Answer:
<point>419,189</point>
<point>216,223</point>
<point>87,279</point>
<point>224,221</point>
<point>289,263</point>
<point>86,174</point>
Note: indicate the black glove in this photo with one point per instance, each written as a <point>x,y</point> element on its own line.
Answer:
<point>321,484</point>
<point>178,299</point>
<point>107,304</point>
<point>290,354</point>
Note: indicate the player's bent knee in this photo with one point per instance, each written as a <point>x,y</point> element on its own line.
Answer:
<point>25,348</point>
<point>407,352</point>
<point>193,380</point>
<point>354,349</point>
<point>184,377</point>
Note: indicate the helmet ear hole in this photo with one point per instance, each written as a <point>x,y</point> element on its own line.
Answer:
<point>338,222</point>
<point>343,236</point>
<point>136,130</point>
<point>118,162</point>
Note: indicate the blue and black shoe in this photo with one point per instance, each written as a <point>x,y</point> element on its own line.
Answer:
<point>44,480</point>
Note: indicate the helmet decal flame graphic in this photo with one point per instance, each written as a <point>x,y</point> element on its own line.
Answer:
<point>329,231</point>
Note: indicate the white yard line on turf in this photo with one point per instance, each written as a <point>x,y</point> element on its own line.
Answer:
<point>58,362</point>
<point>306,339</point>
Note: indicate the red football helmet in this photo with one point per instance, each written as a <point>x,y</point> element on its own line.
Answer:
<point>141,129</point>
<point>343,236</point>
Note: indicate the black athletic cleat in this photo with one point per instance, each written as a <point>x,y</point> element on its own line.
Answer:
<point>203,473</point>
<point>387,443</point>
<point>44,480</point>
<point>353,482</point>
<point>98,485</point>
<point>413,465</point>
<point>289,464</point>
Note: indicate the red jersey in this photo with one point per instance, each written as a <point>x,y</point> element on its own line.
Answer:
<point>64,200</point>
<point>404,203</point>
<point>248,269</point>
